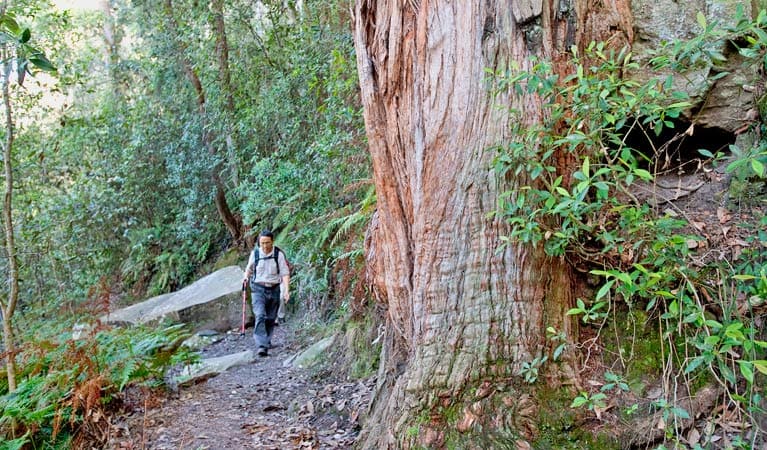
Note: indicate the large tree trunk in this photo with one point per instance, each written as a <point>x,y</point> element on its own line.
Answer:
<point>461,314</point>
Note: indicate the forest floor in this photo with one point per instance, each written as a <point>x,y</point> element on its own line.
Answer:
<point>262,405</point>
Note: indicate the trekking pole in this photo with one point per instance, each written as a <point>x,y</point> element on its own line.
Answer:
<point>244,302</point>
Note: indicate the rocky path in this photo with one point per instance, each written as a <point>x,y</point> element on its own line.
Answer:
<point>262,405</point>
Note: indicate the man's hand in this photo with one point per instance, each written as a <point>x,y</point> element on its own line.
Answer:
<point>286,296</point>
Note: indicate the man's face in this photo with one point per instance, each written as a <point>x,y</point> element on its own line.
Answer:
<point>266,243</point>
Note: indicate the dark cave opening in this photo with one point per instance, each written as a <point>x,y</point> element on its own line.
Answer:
<point>677,149</point>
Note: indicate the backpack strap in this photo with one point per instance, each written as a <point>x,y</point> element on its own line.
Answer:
<point>257,257</point>
<point>276,256</point>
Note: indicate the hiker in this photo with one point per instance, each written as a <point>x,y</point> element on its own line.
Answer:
<point>269,277</point>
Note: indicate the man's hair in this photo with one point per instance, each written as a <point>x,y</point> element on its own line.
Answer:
<point>266,233</point>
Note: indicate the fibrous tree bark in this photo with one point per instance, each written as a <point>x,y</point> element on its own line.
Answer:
<point>464,312</point>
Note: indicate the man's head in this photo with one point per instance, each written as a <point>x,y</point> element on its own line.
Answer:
<point>266,241</point>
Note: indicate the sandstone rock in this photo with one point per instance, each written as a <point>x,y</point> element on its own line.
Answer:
<point>311,355</point>
<point>213,302</point>
<point>722,104</point>
<point>212,366</point>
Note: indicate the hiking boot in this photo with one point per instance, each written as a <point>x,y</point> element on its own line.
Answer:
<point>262,351</point>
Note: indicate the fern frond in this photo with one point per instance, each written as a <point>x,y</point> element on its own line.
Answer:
<point>352,254</point>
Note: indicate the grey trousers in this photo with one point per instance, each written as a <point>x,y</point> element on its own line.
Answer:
<point>266,303</point>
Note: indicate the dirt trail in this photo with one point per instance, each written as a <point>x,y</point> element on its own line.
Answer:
<point>262,405</point>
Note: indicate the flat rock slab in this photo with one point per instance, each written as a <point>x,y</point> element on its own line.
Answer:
<point>212,366</point>
<point>312,355</point>
<point>221,283</point>
<point>200,341</point>
<point>666,188</point>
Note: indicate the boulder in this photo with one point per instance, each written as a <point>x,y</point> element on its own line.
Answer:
<point>213,302</point>
<point>210,367</point>
<point>201,340</point>
<point>312,355</point>
<point>721,104</point>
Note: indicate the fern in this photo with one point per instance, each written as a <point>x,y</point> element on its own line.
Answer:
<point>353,254</point>
<point>127,373</point>
<point>66,382</point>
<point>341,226</point>
<point>15,444</point>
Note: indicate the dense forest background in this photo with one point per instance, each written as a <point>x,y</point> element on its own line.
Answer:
<point>147,142</point>
<point>168,136</point>
<point>116,155</point>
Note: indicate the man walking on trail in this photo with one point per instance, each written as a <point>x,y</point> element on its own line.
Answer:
<point>269,276</point>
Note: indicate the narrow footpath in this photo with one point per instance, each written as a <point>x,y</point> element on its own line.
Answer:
<point>262,405</point>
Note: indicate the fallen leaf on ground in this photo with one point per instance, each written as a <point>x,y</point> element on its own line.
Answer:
<point>723,215</point>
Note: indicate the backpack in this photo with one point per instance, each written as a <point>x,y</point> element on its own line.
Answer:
<point>275,255</point>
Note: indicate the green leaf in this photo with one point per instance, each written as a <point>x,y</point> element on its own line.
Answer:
<point>717,56</point>
<point>604,289</point>
<point>579,401</point>
<point>694,364</point>
<point>747,371</point>
<point>17,444</point>
<point>42,63</point>
<point>679,105</point>
<point>558,351</point>
<point>624,277</point>
<point>727,373</point>
<point>760,365</point>
<point>758,167</point>
<point>585,167</point>
<point>713,324</point>
<point>744,277</point>
<point>643,174</point>
<point>10,24</point>
<point>681,413</point>
<point>701,20</point>
<point>25,35</point>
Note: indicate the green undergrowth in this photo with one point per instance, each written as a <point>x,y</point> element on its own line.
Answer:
<point>632,345</point>
<point>662,312</point>
<point>363,342</point>
<point>67,385</point>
